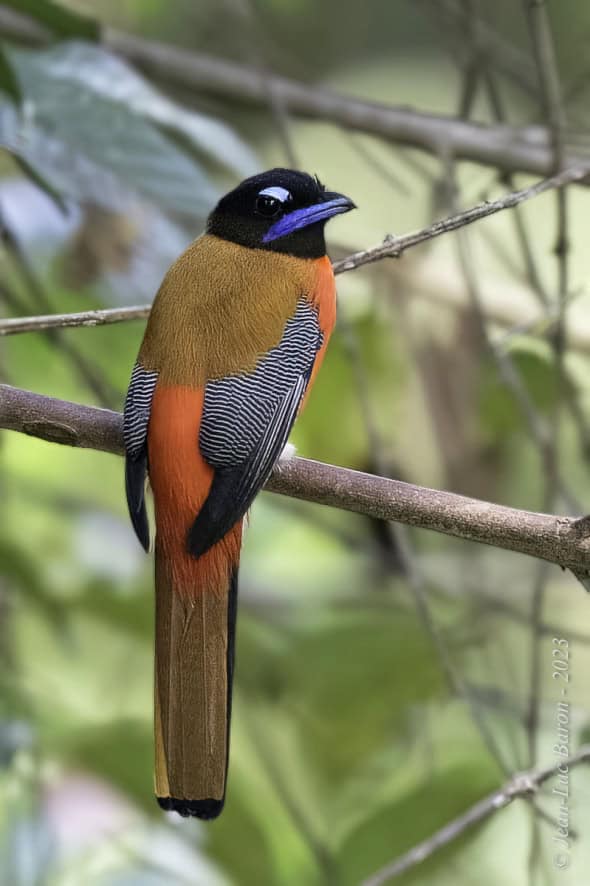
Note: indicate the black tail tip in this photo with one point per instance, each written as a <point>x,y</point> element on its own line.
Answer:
<point>205,809</point>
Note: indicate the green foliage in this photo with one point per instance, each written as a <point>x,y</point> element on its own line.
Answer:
<point>120,751</point>
<point>501,414</point>
<point>60,20</point>
<point>96,131</point>
<point>35,175</point>
<point>25,581</point>
<point>85,143</point>
<point>338,669</point>
<point>348,747</point>
<point>8,81</point>
<point>238,838</point>
<point>82,73</point>
<point>415,815</point>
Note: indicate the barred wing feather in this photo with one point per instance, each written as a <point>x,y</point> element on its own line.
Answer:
<point>246,422</point>
<point>136,415</point>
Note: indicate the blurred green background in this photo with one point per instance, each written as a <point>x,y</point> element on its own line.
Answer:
<point>351,741</point>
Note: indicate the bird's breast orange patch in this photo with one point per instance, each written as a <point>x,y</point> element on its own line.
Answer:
<point>180,479</point>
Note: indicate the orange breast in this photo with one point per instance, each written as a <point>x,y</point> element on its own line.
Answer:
<point>324,299</point>
<point>180,479</point>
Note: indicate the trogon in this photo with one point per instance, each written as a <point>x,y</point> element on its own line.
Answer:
<point>234,340</point>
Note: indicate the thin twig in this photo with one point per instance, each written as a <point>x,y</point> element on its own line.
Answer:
<point>317,844</point>
<point>401,543</point>
<point>98,317</point>
<point>537,286</point>
<point>550,91</point>
<point>507,370</point>
<point>399,549</point>
<point>512,316</point>
<point>492,48</point>
<point>469,91</point>
<point>394,247</point>
<point>248,34</point>
<point>488,604</point>
<point>541,432</point>
<point>374,162</point>
<point>524,241</point>
<point>520,785</point>
<point>84,367</point>
<point>391,247</point>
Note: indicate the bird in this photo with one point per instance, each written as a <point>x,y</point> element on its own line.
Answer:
<point>233,343</point>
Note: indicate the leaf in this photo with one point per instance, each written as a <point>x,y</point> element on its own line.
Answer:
<point>535,361</point>
<point>61,21</point>
<point>94,131</point>
<point>336,674</point>
<point>123,612</point>
<point>37,178</point>
<point>120,751</point>
<point>60,171</point>
<point>500,412</point>
<point>23,573</point>
<point>239,842</point>
<point>90,148</point>
<point>412,818</point>
<point>8,82</point>
<point>103,74</point>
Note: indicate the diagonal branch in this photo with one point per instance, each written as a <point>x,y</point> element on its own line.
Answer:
<point>511,149</point>
<point>391,247</point>
<point>394,247</point>
<point>520,785</point>
<point>561,540</point>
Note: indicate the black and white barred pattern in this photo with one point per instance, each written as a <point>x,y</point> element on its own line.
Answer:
<point>249,416</point>
<point>136,413</point>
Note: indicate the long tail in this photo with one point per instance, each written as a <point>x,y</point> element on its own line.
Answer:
<point>193,690</point>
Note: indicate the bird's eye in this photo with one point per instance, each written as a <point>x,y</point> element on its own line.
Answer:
<point>267,205</point>
<point>270,201</point>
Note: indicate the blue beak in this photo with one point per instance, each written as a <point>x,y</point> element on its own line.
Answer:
<point>334,204</point>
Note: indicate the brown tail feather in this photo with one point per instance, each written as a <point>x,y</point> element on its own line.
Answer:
<point>193,685</point>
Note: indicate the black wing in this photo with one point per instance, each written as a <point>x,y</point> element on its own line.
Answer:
<point>136,416</point>
<point>246,422</point>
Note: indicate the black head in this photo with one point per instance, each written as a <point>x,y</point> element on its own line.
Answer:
<point>281,210</point>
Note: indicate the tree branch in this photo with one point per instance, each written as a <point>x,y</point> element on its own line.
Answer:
<point>561,540</point>
<point>394,247</point>
<point>98,317</point>
<point>511,149</point>
<point>391,247</point>
<point>520,785</point>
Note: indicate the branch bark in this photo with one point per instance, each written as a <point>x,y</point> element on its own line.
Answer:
<point>522,784</point>
<point>391,247</point>
<point>394,247</point>
<point>511,149</point>
<point>561,540</point>
<point>98,317</point>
